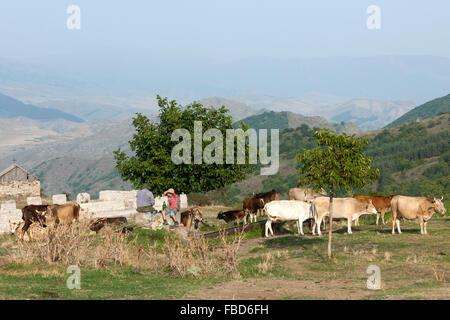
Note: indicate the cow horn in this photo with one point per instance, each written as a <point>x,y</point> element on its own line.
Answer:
<point>442,198</point>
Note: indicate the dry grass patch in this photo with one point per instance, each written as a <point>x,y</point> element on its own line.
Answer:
<point>198,259</point>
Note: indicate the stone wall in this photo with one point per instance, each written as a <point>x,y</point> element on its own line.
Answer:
<point>114,203</point>
<point>59,199</point>
<point>34,200</point>
<point>20,189</point>
<point>9,214</point>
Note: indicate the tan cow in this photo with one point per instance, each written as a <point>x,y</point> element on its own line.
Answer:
<point>305,194</point>
<point>63,213</point>
<point>348,208</point>
<point>411,208</point>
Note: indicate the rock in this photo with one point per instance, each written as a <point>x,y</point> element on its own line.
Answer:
<point>156,221</point>
<point>83,198</point>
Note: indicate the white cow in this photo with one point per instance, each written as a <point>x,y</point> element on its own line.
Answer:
<point>287,210</point>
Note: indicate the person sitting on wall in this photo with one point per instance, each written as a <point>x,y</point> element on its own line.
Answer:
<point>145,200</point>
<point>172,206</point>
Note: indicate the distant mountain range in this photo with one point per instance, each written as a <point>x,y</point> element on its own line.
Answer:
<point>388,77</point>
<point>237,110</point>
<point>12,108</point>
<point>368,114</point>
<point>424,111</point>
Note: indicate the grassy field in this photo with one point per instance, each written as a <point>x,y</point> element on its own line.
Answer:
<point>286,266</point>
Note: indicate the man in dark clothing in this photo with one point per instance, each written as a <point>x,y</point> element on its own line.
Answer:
<point>145,200</point>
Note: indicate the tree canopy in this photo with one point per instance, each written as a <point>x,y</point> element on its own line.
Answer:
<point>338,162</point>
<point>152,148</point>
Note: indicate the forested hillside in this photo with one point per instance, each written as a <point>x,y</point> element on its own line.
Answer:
<point>285,119</point>
<point>413,160</point>
<point>427,110</point>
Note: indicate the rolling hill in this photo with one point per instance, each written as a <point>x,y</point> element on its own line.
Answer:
<point>424,111</point>
<point>75,175</point>
<point>237,110</point>
<point>12,108</point>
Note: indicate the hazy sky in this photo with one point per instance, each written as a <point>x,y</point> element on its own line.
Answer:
<point>227,29</point>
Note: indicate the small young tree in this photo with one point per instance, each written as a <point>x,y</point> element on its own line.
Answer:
<point>337,163</point>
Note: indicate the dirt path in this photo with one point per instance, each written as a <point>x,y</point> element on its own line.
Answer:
<point>262,289</point>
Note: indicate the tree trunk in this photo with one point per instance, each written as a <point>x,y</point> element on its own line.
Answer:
<point>330,231</point>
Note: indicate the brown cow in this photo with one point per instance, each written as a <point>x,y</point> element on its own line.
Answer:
<point>191,217</point>
<point>63,213</point>
<point>251,207</point>
<point>411,208</point>
<point>381,203</point>
<point>267,197</point>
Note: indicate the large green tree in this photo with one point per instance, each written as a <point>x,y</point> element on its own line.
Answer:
<point>337,163</point>
<point>152,147</point>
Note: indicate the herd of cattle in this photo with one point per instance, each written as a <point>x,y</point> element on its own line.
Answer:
<point>304,204</point>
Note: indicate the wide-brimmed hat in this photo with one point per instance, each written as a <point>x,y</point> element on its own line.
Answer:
<point>169,191</point>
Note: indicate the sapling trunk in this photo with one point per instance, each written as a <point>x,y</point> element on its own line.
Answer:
<point>330,231</point>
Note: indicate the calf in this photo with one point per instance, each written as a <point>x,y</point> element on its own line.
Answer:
<point>233,215</point>
<point>348,208</point>
<point>251,206</point>
<point>98,224</point>
<point>382,204</point>
<point>33,213</point>
<point>190,217</point>
<point>35,231</point>
<point>286,210</point>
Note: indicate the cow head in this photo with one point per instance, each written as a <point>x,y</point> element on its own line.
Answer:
<point>438,206</point>
<point>220,215</point>
<point>261,203</point>
<point>13,226</point>
<point>370,208</point>
<point>197,214</point>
